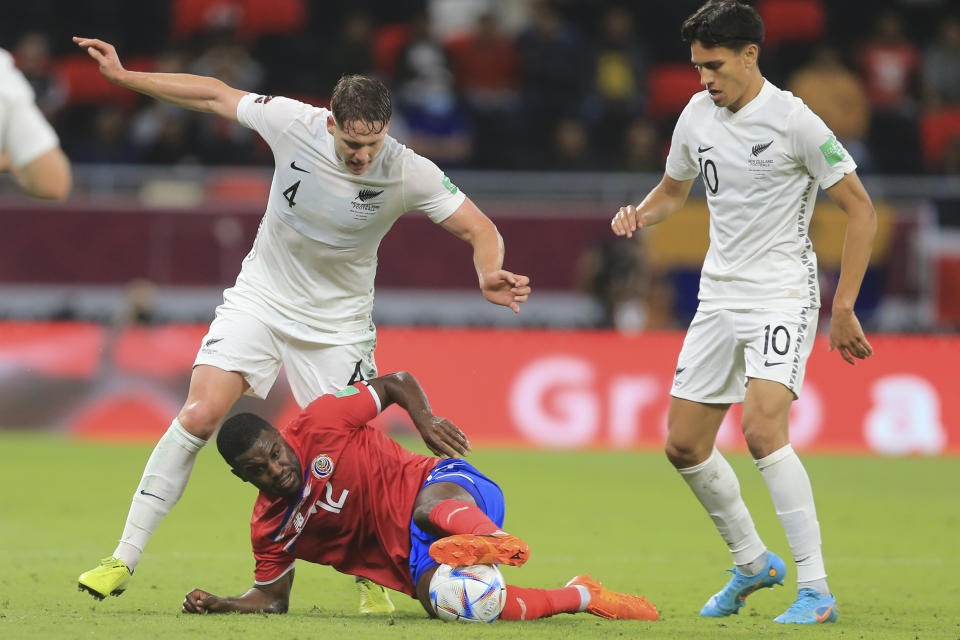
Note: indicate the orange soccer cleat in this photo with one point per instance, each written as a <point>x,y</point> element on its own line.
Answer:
<point>490,548</point>
<point>612,605</point>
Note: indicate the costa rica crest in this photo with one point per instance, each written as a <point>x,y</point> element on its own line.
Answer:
<point>322,466</point>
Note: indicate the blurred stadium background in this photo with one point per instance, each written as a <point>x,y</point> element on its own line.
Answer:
<point>550,115</point>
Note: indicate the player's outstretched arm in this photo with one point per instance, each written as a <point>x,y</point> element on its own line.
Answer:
<point>198,93</point>
<point>662,202</point>
<point>846,334</point>
<point>48,176</point>
<point>441,436</point>
<point>498,285</point>
<point>267,598</point>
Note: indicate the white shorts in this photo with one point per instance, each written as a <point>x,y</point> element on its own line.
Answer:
<point>239,342</point>
<point>724,348</point>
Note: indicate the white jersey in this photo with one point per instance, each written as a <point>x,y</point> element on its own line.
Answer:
<point>761,166</point>
<point>313,263</point>
<point>24,133</point>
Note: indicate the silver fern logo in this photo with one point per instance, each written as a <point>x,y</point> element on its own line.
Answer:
<point>368,194</point>
<point>760,148</point>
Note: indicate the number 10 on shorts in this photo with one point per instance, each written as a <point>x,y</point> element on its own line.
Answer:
<point>776,338</point>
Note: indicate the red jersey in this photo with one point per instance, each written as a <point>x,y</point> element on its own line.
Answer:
<point>354,509</point>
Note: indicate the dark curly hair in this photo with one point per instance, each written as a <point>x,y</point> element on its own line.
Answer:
<point>723,23</point>
<point>238,434</point>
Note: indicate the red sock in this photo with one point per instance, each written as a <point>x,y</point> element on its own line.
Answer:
<point>530,604</point>
<point>456,516</point>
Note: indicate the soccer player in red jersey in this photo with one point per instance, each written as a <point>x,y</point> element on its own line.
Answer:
<point>335,491</point>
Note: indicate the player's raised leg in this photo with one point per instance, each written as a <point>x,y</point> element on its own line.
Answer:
<point>765,426</point>
<point>467,535</point>
<point>692,430</point>
<point>212,392</point>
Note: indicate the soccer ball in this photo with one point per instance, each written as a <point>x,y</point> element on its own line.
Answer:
<point>468,594</point>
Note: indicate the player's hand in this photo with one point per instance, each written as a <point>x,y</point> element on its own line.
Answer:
<point>199,601</point>
<point>5,164</point>
<point>442,437</point>
<point>105,55</point>
<point>506,289</point>
<point>846,336</point>
<point>626,221</point>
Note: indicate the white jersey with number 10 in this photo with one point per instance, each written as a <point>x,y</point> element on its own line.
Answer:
<point>761,167</point>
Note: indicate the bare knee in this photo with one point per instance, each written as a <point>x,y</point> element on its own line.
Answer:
<point>684,454</point>
<point>432,495</point>
<point>763,437</point>
<point>421,515</point>
<point>691,431</point>
<point>201,418</point>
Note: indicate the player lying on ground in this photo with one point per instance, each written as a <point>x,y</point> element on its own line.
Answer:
<point>336,491</point>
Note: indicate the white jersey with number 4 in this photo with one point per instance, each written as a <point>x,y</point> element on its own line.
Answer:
<point>313,263</point>
<point>761,167</point>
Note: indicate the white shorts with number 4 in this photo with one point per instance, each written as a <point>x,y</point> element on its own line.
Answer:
<point>724,348</point>
<point>237,341</point>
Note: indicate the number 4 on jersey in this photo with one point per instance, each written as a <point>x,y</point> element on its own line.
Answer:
<point>291,193</point>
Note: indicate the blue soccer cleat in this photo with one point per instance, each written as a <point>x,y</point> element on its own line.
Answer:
<point>731,597</point>
<point>811,607</point>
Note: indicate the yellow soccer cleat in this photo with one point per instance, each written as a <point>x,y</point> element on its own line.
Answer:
<point>110,577</point>
<point>374,599</point>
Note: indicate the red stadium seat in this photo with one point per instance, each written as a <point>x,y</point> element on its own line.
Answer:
<point>262,17</point>
<point>194,16</point>
<point>937,130</point>
<point>388,41</point>
<point>669,87</point>
<point>87,86</point>
<point>792,21</point>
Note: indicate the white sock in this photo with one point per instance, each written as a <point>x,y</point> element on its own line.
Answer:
<point>715,485</point>
<point>792,495</point>
<point>164,479</point>
<point>584,597</point>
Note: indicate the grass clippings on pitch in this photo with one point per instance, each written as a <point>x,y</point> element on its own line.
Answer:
<point>889,528</point>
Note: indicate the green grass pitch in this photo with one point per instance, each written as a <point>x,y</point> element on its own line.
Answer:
<point>890,530</point>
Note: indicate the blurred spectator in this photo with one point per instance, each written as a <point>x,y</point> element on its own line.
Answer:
<point>837,95</point>
<point>157,139</point>
<point>634,295</point>
<point>32,55</point>
<point>172,141</point>
<point>486,67</point>
<point>107,141</point>
<point>351,52</point>
<point>941,66</point>
<point>225,58</point>
<point>138,306</point>
<point>641,149</point>
<point>948,209</point>
<point>437,123</point>
<point>570,150</point>
<point>890,65</point>
<point>553,72</point>
<point>619,75</point>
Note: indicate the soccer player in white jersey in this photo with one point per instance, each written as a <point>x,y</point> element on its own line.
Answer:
<point>304,296</point>
<point>29,147</point>
<point>762,155</point>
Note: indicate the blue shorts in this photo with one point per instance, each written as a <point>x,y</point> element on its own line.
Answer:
<point>485,492</point>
